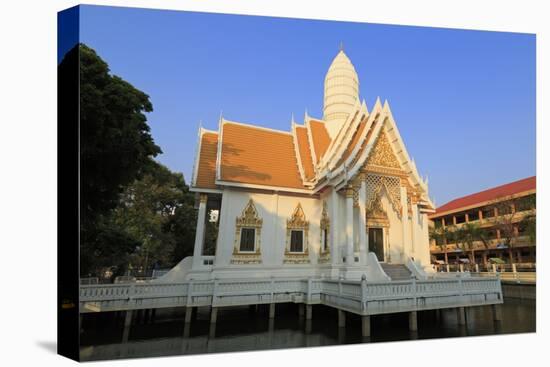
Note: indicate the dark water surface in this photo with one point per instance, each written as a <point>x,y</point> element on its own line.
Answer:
<point>245,329</point>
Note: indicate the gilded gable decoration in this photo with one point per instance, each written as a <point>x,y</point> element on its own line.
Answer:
<point>324,253</point>
<point>249,224</point>
<point>297,228</point>
<point>382,153</point>
<point>375,183</point>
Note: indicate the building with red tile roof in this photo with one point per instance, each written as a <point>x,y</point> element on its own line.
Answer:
<point>503,215</point>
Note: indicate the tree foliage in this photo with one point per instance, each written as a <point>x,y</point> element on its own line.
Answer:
<point>157,210</point>
<point>115,140</point>
<point>132,209</point>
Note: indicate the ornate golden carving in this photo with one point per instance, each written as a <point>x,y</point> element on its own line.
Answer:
<point>203,198</point>
<point>376,216</point>
<point>248,219</point>
<point>382,153</point>
<point>375,184</point>
<point>324,253</point>
<point>297,222</point>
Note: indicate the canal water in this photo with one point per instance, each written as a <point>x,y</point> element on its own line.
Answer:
<point>248,328</point>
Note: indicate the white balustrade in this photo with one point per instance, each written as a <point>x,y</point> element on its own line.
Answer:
<point>361,297</point>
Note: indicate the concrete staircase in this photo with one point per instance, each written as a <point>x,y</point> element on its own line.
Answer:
<point>396,271</point>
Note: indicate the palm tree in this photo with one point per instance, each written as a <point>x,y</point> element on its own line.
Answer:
<point>438,234</point>
<point>469,233</point>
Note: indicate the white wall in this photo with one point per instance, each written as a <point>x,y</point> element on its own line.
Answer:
<point>274,209</point>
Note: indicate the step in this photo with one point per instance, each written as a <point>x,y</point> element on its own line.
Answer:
<point>396,271</point>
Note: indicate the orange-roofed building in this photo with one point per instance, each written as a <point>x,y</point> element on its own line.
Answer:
<point>329,196</point>
<point>504,218</point>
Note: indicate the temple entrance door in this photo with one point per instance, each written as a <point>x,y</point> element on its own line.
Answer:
<point>376,242</point>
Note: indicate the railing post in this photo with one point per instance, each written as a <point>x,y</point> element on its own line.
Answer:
<point>214,290</point>
<point>339,291</point>
<point>414,290</point>
<point>272,288</point>
<point>132,294</point>
<point>309,284</point>
<point>272,304</point>
<point>364,293</point>
<point>460,290</point>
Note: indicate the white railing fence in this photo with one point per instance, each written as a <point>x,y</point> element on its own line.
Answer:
<point>360,297</point>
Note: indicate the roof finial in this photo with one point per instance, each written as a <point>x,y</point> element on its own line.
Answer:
<point>341,46</point>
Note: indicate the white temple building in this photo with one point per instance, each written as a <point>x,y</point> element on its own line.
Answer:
<point>332,212</point>
<point>337,197</point>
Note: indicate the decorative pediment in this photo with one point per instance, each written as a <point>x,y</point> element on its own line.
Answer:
<point>298,219</point>
<point>249,216</point>
<point>382,153</point>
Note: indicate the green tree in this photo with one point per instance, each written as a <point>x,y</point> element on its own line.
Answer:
<point>115,140</point>
<point>530,220</point>
<point>439,235</point>
<point>115,146</point>
<point>157,211</point>
<point>467,235</point>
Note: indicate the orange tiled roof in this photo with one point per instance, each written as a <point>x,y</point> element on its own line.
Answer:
<point>320,137</point>
<point>494,193</point>
<point>206,170</point>
<point>258,156</point>
<point>305,152</point>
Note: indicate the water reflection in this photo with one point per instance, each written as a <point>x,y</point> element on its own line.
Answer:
<point>244,329</point>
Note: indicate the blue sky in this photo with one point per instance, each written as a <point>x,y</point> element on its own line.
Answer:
<point>464,101</point>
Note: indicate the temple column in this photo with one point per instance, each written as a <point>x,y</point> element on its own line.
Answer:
<point>199,234</point>
<point>334,228</point>
<point>349,226</point>
<point>363,238</point>
<point>414,228</point>
<point>407,243</point>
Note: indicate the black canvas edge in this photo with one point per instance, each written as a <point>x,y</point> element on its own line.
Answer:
<point>68,181</point>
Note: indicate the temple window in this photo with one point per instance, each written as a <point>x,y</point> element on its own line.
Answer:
<point>248,227</point>
<point>297,228</point>
<point>247,239</point>
<point>324,239</point>
<point>297,241</point>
